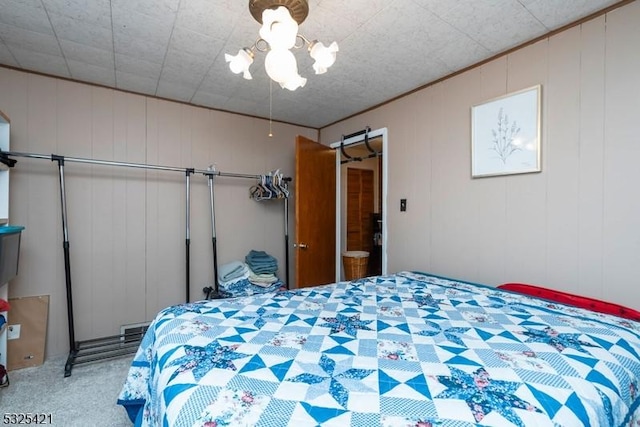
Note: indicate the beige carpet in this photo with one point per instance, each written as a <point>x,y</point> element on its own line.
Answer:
<point>86,398</point>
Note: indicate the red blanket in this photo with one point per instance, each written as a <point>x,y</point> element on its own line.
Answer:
<point>574,300</point>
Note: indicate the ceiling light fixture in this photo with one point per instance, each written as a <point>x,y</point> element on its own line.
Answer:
<point>278,35</point>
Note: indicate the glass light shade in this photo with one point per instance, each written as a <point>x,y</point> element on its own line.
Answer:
<point>240,63</point>
<point>279,29</point>
<point>281,65</point>
<point>324,56</point>
<point>294,83</point>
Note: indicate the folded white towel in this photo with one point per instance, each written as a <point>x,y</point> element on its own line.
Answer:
<point>244,276</point>
<point>264,278</point>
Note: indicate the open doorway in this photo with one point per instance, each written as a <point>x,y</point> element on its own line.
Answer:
<point>361,178</point>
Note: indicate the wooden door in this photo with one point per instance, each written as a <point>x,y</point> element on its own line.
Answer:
<point>360,205</point>
<point>315,198</point>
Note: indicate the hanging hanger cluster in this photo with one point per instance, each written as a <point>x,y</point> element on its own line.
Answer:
<point>271,186</point>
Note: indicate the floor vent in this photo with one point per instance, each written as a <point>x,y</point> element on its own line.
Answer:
<point>133,332</point>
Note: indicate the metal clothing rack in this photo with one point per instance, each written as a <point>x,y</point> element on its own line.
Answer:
<point>214,292</point>
<point>118,345</point>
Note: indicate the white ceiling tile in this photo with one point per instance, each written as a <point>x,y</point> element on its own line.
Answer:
<point>182,67</point>
<point>136,83</point>
<point>41,62</point>
<point>335,20</point>
<point>215,19</point>
<point>35,4</point>
<point>24,16</point>
<point>194,43</point>
<point>260,94</point>
<point>503,24</point>
<point>207,99</point>
<point>354,11</point>
<point>408,33</point>
<point>84,53</point>
<point>159,10</point>
<point>84,32</point>
<point>91,73</point>
<point>142,49</point>
<point>253,107</point>
<point>140,67</point>
<point>175,90</point>
<point>218,81</point>
<point>458,52</point>
<point>6,57</point>
<point>29,40</point>
<point>94,12</point>
<point>129,24</point>
<point>555,13</point>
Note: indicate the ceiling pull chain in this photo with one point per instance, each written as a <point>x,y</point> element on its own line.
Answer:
<point>270,106</point>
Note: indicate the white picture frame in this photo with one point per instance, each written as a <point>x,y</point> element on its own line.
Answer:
<point>505,134</point>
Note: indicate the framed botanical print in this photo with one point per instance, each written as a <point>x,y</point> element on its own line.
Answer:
<point>505,134</point>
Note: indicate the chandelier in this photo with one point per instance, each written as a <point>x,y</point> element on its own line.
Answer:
<point>278,35</point>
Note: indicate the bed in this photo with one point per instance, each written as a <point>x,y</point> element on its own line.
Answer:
<point>408,349</point>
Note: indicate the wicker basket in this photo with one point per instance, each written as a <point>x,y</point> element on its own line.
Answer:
<point>355,264</point>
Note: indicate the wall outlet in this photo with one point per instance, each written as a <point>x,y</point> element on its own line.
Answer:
<point>13,332</point>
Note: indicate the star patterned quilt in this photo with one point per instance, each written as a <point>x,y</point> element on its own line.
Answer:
<point>407,349</point>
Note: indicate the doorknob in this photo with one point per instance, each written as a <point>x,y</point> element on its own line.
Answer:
<point>300,245</point>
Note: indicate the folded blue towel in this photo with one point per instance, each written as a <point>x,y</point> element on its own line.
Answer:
<point>261,262</point>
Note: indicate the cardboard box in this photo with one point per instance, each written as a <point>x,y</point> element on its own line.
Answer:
<point>27,331</point>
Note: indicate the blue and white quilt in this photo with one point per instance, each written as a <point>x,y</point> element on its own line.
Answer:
<point>407,349</point>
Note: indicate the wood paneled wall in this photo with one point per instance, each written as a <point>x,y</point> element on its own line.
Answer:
<point>127,226</point>
<point>575,225</point>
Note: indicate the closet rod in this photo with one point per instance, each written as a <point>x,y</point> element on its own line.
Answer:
<point>66,159</point>
<point>103,162</point>
<point>132,165</point>
<point>233,175</point>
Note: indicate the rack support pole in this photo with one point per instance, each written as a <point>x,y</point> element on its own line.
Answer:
<point>216,288</point>
<point>286,239</point>
<point>188,173</point>
<point>73,348</point>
